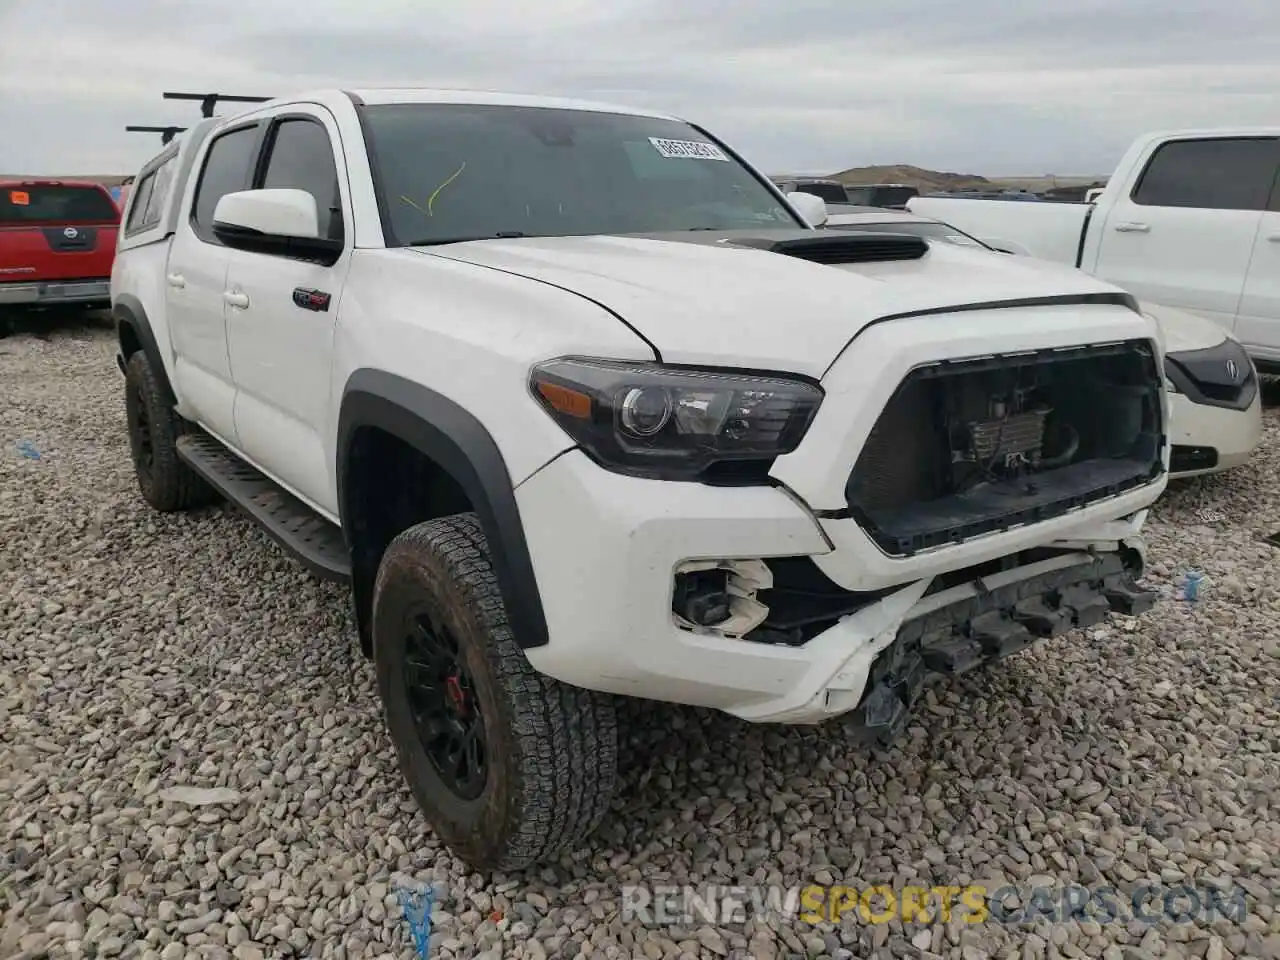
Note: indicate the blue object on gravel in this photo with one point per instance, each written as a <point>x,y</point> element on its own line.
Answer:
<point>416,905</point>
<point>1191,585</point>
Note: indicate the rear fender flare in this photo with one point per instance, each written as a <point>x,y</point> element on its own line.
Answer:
<point>132,325</point>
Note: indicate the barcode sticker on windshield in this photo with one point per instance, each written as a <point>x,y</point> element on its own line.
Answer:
<point>687,149</point>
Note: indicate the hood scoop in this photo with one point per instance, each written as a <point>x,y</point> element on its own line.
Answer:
<point>844,246</point>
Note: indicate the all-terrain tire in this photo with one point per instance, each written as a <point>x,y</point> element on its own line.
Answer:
<point>165,482</point>
<point>550,748</point>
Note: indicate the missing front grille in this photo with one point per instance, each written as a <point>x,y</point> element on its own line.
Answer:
<point>974,447</point>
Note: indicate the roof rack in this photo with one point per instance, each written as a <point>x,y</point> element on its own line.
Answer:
<point>166,133</point>
<point>209,101</point>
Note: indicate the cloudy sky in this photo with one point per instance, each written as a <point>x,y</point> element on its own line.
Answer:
<point>985,86</point>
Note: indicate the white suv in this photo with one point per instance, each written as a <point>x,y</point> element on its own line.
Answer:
<point>581,406</point>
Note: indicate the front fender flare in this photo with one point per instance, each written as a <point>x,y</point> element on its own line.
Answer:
<point>461,446</point>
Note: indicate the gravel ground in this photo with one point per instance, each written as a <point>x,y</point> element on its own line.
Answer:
<point>140,653</point>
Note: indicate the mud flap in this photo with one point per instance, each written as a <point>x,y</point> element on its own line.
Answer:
<point>982,629</point>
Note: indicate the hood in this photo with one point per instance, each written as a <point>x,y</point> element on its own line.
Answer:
<point>1184,331</point>
<point>709,298</point>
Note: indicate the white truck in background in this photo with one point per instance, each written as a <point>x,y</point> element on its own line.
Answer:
<point>1189,219</point>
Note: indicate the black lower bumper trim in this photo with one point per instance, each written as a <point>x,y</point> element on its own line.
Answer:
<point>1184,458</point>
<point>978,630</point>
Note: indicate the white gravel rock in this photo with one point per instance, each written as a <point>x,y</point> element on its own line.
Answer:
<point>143,654</point>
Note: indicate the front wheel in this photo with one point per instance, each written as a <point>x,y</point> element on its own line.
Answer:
<point>509,766</point>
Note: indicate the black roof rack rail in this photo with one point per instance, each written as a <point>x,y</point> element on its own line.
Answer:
<point>209,101</point>
<point>166,133</point>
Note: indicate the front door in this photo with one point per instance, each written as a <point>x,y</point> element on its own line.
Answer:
<point>1185,235</point>
<point>281,316</point>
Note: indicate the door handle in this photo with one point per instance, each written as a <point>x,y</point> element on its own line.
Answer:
<point>240,300</point>
<point>1274,238</point>
<point>177,280</point>
<point>1132,227</point>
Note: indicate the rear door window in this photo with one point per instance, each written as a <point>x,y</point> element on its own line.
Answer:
<point>226,170</point>
<point>1214,174</point>
<point>55,203</point>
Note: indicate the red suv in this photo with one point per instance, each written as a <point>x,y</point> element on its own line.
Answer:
<point>57,243</point>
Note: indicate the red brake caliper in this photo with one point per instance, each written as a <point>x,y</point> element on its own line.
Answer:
<point>457,698</point>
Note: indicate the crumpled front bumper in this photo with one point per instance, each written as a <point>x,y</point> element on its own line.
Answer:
<point>957,630</point>
<point>606,549</point>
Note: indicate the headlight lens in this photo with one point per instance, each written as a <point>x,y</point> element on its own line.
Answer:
<point>674,423</point>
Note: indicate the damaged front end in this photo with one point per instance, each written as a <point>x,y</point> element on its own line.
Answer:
<point>989,501</point>
<point>881,646</point>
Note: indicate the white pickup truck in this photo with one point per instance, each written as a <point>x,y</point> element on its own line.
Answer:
<point>1189,219</point>
<point>581,406</point>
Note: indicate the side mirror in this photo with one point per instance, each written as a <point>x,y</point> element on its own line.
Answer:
<point>283,222</point>
<point>812,208</point>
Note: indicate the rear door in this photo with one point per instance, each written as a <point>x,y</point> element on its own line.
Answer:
<point>195,280</point>
<point>54,231</point>
<point>1185,234</point>
<point>1258,324</point>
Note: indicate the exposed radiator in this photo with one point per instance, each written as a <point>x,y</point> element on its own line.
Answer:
<point>1018,433</point>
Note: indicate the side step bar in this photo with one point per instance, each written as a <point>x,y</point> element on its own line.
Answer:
<point>313,540</point>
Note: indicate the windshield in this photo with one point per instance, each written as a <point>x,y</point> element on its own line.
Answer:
<point>46,203</point>
<point>930,230</point>
<point>449,172</point>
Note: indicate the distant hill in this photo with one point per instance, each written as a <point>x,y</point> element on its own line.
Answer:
<point>929,181</point>
<point>924,180</point>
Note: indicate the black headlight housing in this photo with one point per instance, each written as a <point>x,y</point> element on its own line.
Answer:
<point>1219,376</point>
<point>677,423</point>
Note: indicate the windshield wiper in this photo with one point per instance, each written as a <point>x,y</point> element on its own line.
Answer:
<point>437,241</point>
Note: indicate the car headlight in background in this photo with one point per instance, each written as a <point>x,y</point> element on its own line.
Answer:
<point>674,423</point>
<point>1215,375</point>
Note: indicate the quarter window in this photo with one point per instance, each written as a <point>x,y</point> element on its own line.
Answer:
<point>149,196</point>
<point>159,193</point>
<point>141,195</point>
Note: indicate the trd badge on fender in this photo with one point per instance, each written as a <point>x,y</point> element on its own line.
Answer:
<point>316,300</point>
